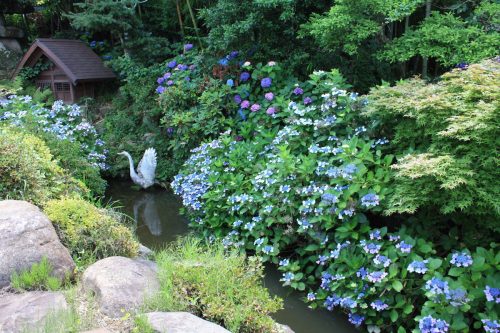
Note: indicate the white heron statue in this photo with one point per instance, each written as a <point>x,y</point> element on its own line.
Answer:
<point>145,175</point>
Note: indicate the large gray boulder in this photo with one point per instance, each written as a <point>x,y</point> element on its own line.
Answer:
<point>22,312</point>
<point>120,283</point>
<point>26,236</point>
<point>181,322</point>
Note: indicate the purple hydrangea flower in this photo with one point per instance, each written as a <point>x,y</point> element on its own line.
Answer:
<point>167,75</point>
<point>172,64</point>
<point>245,104</point>
<point>237,99</point>
<point>255,107</point>
<point>187,78</point>
<point>182,67</point>
<point>461,259</point>
<point>307,100</point>
<point>431,325</point>
<point>170,82</point>
<point>271,111</point>
<point>379,305</point>
<point>418,267</point>
<point>298,91</point>
<point>160,80</point>
<point>492,294</point>
<point>266,82</point>
<point>269,96</point>
<point>160,89</point>
<point>244,76</point>
<point>188,47</point>
<point>233,54</point>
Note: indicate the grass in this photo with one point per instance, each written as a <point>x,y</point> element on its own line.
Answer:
<point>38,277</point>
<point>220,286</point>
<point>76,318</point>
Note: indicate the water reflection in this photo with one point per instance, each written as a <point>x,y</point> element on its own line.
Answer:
<point>156,214</point>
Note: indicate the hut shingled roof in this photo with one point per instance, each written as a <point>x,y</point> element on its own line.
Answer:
<point>74,57</point>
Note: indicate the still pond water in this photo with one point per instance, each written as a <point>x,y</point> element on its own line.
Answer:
<point>156,214</point>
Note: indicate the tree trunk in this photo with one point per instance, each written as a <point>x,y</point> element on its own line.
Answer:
<point>425,60</point>
<point>180,18</point>
<point>406,29</point>
<point>194,23</point>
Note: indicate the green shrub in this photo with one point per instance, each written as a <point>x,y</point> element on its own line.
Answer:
<point>446,138</point>
<point>28,171</point>
<point>220,286</point>
<point>36,278</point>
<point>88,232</point>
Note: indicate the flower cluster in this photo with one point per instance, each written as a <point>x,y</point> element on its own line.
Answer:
<point>65,122</point>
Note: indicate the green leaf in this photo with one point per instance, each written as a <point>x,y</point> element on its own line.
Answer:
<point>435,263</point>
<point>394,315</point>
<point>397,285</point>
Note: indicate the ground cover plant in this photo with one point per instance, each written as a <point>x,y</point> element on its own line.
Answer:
<point>90,233</point>
<point>38,277</point>
<point>219,285</point>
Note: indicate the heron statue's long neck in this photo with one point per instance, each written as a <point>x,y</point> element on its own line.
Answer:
<point>133,174</point>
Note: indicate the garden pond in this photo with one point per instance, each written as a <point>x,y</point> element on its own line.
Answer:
<point>158,222</point>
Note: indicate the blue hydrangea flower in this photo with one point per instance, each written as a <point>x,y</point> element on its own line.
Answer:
<point>361,273</point>
<point>311,297</point>
<point>429,324</point>
<point>284,262</point>
<point>491,326</point>
<point>172,64</point>
<point>370,248</point>
<point>224,62</point>
<point>267,249</point>
<point>461,259</point>
<point>356,319</point>
<point>379,305</point>
<point>160,89</point>
<point>244,76</point>
<point>287,277</point>
<point>307,100</point>
<point>93,44</point>
<point>437,286</point>
<point>492,294</point>
<point>382,260</point>
<point>404,247</point>
<point>418,266</point>
<point>370,200</point>
<point>376,276</point>
<point>266,82</point>
<point>188,47</point>
<point>230,82</point>
<point>457,297</point>
<point>160,80</point>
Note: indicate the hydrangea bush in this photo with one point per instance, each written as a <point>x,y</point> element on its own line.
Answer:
<point>65,122</point>
<point>293,186</point>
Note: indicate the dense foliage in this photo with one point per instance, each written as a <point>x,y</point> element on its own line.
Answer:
<point>222,287</point>
<point>297,186</point>
<point>446,138</point>
<point>90,233</point>
<point>71,138</point>
<point>28,170</point>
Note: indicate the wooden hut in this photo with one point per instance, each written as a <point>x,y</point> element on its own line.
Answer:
<point>72,69</point>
